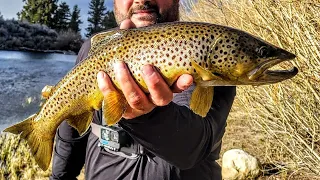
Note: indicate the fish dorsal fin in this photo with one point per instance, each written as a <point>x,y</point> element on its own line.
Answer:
<point>102,39</point>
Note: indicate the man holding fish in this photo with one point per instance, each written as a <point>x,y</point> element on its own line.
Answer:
<point>172,141</point>
<point>129,109</point>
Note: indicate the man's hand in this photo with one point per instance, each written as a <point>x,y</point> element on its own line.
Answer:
<point>140,103</point>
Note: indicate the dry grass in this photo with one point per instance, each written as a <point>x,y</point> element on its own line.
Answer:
<point>278,123</point>
<point>16,161</point>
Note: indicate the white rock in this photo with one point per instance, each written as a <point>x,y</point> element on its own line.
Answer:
<point>238,165</point>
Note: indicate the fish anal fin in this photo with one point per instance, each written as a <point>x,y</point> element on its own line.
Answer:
<point>46,91</point>
<point>201,100</point>
<point>113,106</point>
<point>81,122</point>
<point>95,100</point>
<point>41,144</point>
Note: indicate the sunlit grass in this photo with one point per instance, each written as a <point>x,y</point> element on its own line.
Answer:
<point>287,112</point>
<point>16,161</point>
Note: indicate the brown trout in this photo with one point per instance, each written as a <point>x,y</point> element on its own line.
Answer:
<point>214,55</point>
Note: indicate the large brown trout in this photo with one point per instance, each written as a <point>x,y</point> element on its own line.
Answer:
<point>214,55</point>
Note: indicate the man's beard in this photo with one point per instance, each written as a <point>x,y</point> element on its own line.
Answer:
<point>169,15</point>
<point>149,7</point>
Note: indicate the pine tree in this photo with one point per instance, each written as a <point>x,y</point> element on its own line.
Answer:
<point>96,14</point>
<point>109,21</point>
<point>75,19</point>
<point>62,17</point>
<point>39,11</point>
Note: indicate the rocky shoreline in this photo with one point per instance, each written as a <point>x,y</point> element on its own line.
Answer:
<point>69,52</point>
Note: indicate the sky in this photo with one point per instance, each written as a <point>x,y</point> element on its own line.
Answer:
<point>9,9</point>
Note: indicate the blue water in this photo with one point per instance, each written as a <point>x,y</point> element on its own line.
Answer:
<point>22,77</point>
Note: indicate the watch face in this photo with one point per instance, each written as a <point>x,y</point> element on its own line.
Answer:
<point>105,134</point>
<point>114,136</point>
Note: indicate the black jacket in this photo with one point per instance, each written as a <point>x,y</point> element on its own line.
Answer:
<point>182,144</point>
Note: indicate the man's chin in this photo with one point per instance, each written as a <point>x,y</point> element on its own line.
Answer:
<point>144,23</point>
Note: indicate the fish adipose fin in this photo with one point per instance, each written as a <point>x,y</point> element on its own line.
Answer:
<point>40,145</point>
<point>113,106</point>
<point>81,122</point>
<point>46,91</point>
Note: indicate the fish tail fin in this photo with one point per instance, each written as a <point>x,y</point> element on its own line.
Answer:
<point>40,145</point>
<point>24,128</point>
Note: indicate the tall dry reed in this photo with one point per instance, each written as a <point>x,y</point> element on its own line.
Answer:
<point>289,111</point>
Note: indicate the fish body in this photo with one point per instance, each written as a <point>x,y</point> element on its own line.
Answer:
<point>214,55</point>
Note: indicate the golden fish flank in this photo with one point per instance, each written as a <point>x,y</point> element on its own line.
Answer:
<point>212,54</point>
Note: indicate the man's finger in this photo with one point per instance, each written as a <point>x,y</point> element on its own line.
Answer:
<point>183,83</point>
<point>104,83</point>
<point>160,92</point>
<point>134,95</point>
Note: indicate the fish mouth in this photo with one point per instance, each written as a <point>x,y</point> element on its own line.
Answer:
<point>262,74</point>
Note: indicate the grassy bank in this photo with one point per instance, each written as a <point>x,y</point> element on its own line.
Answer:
<point>16,162</point>
<point>277,123</point>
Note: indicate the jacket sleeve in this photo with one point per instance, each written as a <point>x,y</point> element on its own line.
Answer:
<point>179,136</point>
<point>70,147</point>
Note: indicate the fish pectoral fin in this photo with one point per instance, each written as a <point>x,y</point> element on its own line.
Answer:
<point>113,106</point>
<point>203,73</point>
<point>201,100</point>
<point>217,83</point>
<point>41,144</point>
<point>81,122</point>
<point>46,91</point>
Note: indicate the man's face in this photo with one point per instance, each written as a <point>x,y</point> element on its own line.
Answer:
<point>146,12</point>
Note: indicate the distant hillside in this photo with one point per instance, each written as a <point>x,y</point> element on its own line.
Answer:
<point>17,35</point>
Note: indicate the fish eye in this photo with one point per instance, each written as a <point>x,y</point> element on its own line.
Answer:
<point>263,51</point>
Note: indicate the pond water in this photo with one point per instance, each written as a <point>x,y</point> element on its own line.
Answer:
<point>22,77</point>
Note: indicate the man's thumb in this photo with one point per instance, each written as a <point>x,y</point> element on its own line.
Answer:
<point>127,24</point>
